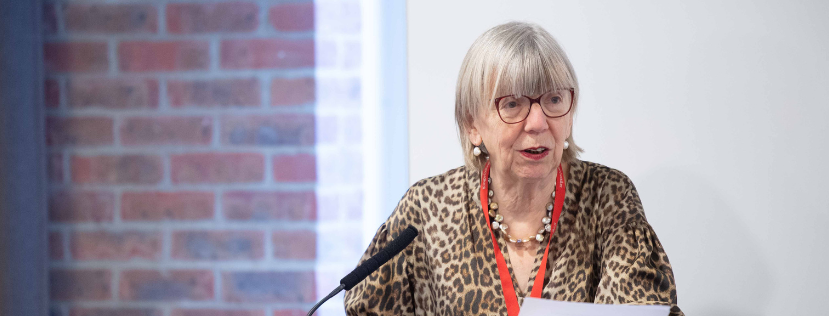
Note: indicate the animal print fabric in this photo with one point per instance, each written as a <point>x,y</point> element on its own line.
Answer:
<point>603,251</point>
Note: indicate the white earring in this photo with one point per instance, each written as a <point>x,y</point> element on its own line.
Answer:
<point>476,151</point>
<point>566,145</point>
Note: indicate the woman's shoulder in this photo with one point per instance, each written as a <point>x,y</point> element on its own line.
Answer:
<point>453,176</point>
<point>447,184</point>
<point>615,198</point>
<point>438,192</point>
<point>596,175</point>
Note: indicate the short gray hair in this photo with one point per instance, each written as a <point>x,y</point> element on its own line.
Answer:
<point>513,58</point>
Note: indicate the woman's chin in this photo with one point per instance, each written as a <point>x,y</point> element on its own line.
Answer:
<point>535,172</point>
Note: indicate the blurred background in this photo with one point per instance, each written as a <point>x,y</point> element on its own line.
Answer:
<point>195,157</point>
<point>234,158</point>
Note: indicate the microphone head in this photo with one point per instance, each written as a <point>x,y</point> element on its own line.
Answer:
<point>384,255</point>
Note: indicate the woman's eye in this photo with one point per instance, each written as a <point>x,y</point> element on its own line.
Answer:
<point>512,104</point>
<point>556,99</point>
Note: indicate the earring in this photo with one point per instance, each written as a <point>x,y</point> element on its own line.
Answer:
<point>476,151</point>
<point>566,145</point>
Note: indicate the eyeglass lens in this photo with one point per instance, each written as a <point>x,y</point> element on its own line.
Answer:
<point>554,104</point>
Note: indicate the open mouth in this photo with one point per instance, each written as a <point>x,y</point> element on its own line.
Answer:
<point>535,151</point>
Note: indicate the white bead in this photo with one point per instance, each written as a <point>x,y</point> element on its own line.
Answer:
<point>489,180</point>
<point>504,227</point>
<point>539,237</point>
<point>554,194</point>
<point>547,227</point>
<point>491,193</point>
<point>495,225</point>
<point>541,231</point>
<point>546,220</point>
<point>566,145</point>
<point>499,218</point>
<point>477,151</point>
<point>549,206</point>
<point>511,240</point>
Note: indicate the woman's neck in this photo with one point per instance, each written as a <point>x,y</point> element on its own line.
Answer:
<point>523,202</point>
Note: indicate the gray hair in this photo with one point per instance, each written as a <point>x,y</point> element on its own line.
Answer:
<point>513,58</point>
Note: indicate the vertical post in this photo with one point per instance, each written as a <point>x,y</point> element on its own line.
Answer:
<point>23,205</point>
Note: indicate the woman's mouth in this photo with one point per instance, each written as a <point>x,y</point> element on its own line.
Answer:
<point>536,153</point>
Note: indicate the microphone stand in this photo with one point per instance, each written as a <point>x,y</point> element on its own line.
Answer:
<point>372,264</point>
<point>327,297</point>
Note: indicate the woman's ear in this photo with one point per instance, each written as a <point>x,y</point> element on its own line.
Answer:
<point>474,136</point>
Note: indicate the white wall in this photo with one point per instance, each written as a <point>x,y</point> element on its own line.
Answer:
<point>717,110</point>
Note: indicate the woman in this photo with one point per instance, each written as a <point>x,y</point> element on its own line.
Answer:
<point>523,217</point>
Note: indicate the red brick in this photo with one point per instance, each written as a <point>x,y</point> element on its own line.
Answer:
<point>81,206</point>
<point>268,130</point>
<point>55,246</point>
<point>115,245</point>
<point>269,287</point>
<point>71,285</point>
<point>158,206</point>
<point>112,93</point>
<point>295,168</point>
<point>173,285</point>
<point>291,312</point>
<point>218,245</point>
<point>187,18</point>
<point>55,168</point>
<point>295,244</point>
<point>110,18</point>
<point>79,131</point>
<point>292,16</point>
<point>292,91</point>
<point>75,57</point>
<point>163,56</point>
<point>50,19</point>
<point>213,93</point>
<point>267,53</point>
<point>118,311</point>
<point>51,93</point>
<point>218,168</point>
<point>218,312</point>
<point>251,205</point>
<point>125,169</point>
<point>195,130</point>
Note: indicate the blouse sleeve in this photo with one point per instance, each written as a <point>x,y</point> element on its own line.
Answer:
<point>389,290</point>
<point>634,268</point>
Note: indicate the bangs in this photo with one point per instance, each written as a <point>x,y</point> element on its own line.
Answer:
<point>530,72</point>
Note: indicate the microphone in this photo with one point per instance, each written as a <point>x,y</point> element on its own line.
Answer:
<point>372,264</point>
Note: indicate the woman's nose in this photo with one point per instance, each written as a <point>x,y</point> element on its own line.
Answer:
<point>536,120</point>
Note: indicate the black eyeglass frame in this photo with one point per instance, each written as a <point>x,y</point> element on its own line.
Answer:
<point>534,101</point>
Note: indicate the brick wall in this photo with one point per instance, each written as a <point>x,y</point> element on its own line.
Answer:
<point>204,156</point>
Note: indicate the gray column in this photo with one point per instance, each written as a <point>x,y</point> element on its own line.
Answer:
<point>23,204</point>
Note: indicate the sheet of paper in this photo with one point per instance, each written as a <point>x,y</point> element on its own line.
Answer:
<point>536,306</point>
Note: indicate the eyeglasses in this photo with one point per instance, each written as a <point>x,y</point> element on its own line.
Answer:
<point>553,104</point>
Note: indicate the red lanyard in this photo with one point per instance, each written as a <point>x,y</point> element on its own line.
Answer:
<point>503,271</point>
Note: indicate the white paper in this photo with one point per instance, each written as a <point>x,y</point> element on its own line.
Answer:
<point>536,306</point>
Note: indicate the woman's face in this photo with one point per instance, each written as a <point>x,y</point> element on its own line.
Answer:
<point>508,144</point>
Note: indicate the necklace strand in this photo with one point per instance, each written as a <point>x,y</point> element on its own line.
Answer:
<point>498,220</point>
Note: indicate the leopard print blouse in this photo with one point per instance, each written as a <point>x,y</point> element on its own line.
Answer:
<point>603,251</point>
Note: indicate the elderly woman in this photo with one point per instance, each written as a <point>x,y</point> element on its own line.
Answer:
<point>524,216</point>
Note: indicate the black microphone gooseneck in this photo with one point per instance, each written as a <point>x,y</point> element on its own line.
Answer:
<point>372,264</point>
